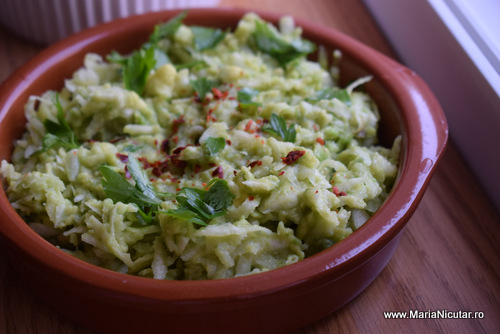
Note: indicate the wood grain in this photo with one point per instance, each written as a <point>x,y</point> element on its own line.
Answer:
<point>448,258</point>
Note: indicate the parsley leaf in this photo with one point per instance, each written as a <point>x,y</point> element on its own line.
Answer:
<point>141,194</point>
<point>268,41</point>
<point>161,58</point>
<point>60,133</point>
<point>167,29</point>
<point>330,93</point>
<point>215,144</point>
<point>142,181</point>
<point>137,68</point>
<point>202,86</point>
<point>191,64</point>
<point>207,38</point>
<point>199,206</point>
<point>245,97</point>
<point>277,126</point>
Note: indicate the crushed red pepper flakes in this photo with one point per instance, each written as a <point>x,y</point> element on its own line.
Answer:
<point>338,193</point>
<point>320,141</point>
<point>176,123</point>
<point>218,172</point>
<point>335,191</point>
<point>251,198</point>
<point>281,173</point>
<point>228,142</point>
<point>248,126</point>
<point>255,163</point>
<point>123,157</point>
<point>165,146</point>
<point>115,140</point>
<point>293,156</point>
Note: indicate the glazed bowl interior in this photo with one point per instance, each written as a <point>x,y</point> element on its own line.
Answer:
<point>406,106</point>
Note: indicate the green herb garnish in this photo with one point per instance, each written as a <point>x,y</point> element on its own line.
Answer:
<point>207,38</point>
<point>200,206</point>
<point>267,40</point>
<point>277,126</point>
<point>167,29</point>
<point>245,97</point>
<point>58,134</point>
<point>330,93</point>
<point>119,189</point>
<point>191,64</point>
<point>202,86</point>
<point>215,144</point>
<point>142,194</point>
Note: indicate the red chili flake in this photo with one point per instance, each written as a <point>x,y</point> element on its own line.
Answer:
<point>123,157</point>
<point>281,173</point>
<point>217,93</point>
<point>320,141</point>
<point>251,198</point>
<point>255,163</point>
<point>175,139</point>
<point>235,172</point>
<point>204,184</point>
<point>197,169</point>
<point>145,162</point>
<point>293,156</point>
<point>178,189</point>
<point>335,191</point>
<point>165,146</point>
<point>181,164</point>
<point>115,140</point>
<point>152,180</point>
<point>176,123</point>
<point>316,191</point>
<point>248,126</point>
<point>179,149</point>
<point>156,142</point>
<point>218,172</point>
<point>228,142</point>
<point>342,193</point>
<point>156,172</point>
<point>209,115</point>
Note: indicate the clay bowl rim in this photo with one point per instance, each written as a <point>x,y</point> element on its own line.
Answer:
<point>418,161</point>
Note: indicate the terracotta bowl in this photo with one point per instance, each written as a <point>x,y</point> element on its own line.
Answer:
<point>276,301</point>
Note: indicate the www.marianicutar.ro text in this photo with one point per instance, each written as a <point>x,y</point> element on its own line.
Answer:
<point>436,314</point>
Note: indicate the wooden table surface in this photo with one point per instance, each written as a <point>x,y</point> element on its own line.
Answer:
<point>448,258</point>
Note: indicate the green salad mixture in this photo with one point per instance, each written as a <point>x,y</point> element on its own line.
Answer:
<point>204,154</point>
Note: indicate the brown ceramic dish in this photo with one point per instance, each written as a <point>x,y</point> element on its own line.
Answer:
<point>276,301</point>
